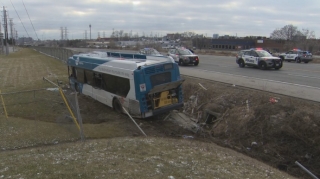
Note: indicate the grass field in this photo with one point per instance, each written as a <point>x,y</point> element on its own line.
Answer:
<point>44,148</point>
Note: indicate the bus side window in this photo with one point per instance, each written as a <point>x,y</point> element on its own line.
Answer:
<point>89,78</point>
<point>115,84</point>
<point>123,86</point>
<point>109,82</point>
<point>97,80</point>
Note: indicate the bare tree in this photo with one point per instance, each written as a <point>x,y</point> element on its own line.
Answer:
<point>126,36</point>
<point>120,33</point>
<point>308,33</point>
<point>188,34</point>
<point>285,33</point>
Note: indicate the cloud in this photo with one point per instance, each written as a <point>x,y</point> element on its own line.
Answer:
<point>229,17</point>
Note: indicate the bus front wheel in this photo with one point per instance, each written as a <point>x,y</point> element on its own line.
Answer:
<point>117,105</point>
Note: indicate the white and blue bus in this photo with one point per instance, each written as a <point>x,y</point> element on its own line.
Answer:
<point>143,85</point>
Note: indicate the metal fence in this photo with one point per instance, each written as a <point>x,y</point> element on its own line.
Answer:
<point>56,52</point>
<point>35,118</point>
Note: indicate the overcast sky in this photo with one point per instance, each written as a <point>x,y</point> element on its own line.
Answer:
<point>207,17</point>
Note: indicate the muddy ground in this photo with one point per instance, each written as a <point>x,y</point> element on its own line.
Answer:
<point>276,129</point>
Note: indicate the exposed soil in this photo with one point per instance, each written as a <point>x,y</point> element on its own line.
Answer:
<point>275,129</point>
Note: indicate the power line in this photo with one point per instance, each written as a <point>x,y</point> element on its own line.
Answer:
<point>20,19</point>
<point>30,20</point>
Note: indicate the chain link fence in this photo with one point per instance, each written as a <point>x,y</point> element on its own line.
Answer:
<point>56,52</point>
<point>35,118</point>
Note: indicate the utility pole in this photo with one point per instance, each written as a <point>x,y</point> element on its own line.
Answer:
<point>90,30</point>
<point>16,35</point>
<point>85,34</point>
<point>61,31</point>
<point>11,33</point>
<point>5,29</point>
<point>65,33</point>
<point>1,38</point>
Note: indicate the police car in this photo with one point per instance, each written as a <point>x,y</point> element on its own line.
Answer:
<point>258,57</point>
<point>183,56</point>
<point>296,55</point>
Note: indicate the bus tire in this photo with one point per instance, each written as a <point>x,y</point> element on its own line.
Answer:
<point>117,105</point>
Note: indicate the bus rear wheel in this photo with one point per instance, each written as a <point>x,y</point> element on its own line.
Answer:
<point>117,105</point>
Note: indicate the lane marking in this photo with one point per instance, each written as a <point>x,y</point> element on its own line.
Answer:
<point>261,79</point>
<point>303,76</point>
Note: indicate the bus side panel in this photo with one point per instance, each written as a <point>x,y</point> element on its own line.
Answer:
<point>87,90</point>
<point>132,92</point>
<point>134,108</point>
<point>102,96</point>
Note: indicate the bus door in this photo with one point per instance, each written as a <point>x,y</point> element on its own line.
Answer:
<point>88,82</point>
<point>97,89</point>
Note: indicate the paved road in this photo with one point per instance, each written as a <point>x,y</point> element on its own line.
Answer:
<point>302,74</point>
<point>298,80</point>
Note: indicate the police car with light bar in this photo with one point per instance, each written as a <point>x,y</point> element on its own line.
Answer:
<point>296,55</point>
<point>257,57</point>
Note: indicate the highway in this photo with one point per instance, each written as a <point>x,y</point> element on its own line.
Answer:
<point>293,79</point>
<point>297,73</point>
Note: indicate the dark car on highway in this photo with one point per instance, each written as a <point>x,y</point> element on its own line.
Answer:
<point>183,56</point>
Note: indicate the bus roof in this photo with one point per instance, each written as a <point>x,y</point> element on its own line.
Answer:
<point>115,59</point>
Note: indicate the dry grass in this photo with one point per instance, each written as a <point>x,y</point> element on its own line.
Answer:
<point>16,75</point>
<point>50,148</point>
<point>132,158</point>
